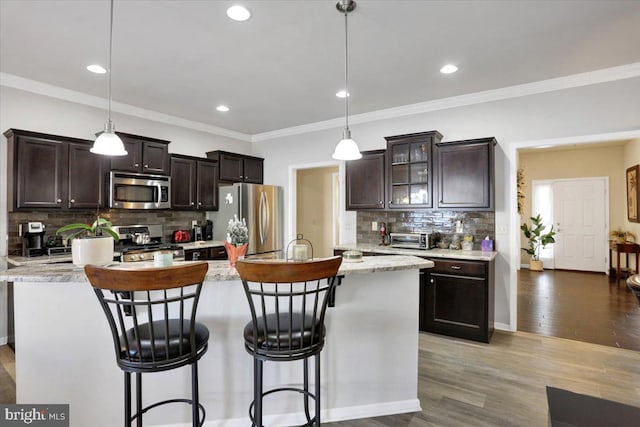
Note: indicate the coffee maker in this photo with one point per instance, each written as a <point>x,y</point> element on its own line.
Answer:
<point>32,238</point>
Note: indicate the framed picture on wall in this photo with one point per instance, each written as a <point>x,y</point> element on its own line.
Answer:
<point>633,193</point>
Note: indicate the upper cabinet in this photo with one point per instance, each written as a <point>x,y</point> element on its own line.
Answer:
<point>238,167</point>
<point>145,155</point>
<point>465,174</point>
<point>365,181</point>
<point>194,183</point>
<point>53,172</point>
<point>410,170</point>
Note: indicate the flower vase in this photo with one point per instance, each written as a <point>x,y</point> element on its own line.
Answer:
<point>234,252</point>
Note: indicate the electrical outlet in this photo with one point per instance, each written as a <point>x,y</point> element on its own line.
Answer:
<point>459,227</point>
<point>374,226</point>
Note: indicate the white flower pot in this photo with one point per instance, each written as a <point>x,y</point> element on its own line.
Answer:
<point>92,250</point>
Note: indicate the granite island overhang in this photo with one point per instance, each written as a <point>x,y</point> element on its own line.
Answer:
<point>64,351</point>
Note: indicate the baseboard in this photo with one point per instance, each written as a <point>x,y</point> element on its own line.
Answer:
<point>4,340</point>
<point>328,415</point>
<point>503,327</point>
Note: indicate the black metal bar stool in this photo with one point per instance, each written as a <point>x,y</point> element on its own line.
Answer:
<point>288,301</point>
<point>151,313</point>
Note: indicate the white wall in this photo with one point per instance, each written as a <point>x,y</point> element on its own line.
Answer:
<point>39,113</point>
<point>588,110</point>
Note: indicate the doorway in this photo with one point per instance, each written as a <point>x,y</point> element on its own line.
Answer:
<point>578,210</point>
<point>317,208</point>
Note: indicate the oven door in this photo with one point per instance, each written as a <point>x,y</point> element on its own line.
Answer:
<point>139,191</point>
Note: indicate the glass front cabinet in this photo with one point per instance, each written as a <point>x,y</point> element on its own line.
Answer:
<point>410,170</point>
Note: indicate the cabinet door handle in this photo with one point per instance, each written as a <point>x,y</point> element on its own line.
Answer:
<point>455,267</point>
<point>191,203</point>
<point>380,202</point>
<point>431,281</point>
<point>59,201</point>
<point>136,165</point>
<point>241,176</point>
<point>146,166</point>
<point>390,202</point>
<point>72,200</point>
<point>199,203</point>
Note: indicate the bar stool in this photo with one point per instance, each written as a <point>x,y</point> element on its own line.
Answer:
<point>151,313</point>
<point>287,301</point>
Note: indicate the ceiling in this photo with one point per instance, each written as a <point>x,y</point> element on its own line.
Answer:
<point>283,67</point>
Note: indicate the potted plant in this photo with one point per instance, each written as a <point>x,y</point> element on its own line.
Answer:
<point>90,243</point>
<point>237,239</point>
<point>537,241</point>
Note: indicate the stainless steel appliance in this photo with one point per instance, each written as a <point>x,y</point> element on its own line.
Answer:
<point>413,240</point>
<point>139,191</point>
<point>261,206</point>
<point>33,243</point>
<point>140,242</point>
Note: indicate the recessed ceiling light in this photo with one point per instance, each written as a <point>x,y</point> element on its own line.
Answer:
<point>342,94</point>
<point>448,69</point>
<point>222,108</point>
<point>238,13</point>
<point>98,69</point>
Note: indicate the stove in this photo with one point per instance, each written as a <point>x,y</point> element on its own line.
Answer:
<point>140,242</point>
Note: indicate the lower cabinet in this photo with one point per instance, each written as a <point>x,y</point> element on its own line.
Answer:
<point>457,299</point>
<point>206,254</point>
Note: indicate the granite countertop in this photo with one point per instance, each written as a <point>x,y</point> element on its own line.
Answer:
<point>432,253</point>
<point>17,261</point>
<point>218,270</point>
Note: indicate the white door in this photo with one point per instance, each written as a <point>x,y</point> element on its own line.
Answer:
<point>579,214</point>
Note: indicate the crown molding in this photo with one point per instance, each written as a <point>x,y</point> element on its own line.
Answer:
<point>17,82</point>
<point>543,86</point>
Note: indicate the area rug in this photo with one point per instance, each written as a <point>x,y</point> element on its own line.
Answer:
<point>569,409</point>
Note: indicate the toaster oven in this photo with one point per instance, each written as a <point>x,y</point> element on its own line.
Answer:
<point>413,240</point>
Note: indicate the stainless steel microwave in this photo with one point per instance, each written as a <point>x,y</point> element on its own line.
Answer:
<point>139,191</point>
<point>413,240</point>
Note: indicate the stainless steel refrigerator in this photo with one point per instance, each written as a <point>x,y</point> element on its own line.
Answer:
<point>261,206</point>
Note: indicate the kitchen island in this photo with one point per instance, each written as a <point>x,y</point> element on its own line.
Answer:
<point>64,350</point>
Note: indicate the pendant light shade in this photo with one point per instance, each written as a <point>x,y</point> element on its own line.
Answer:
<point>108,143</point>
<point>347,149</point>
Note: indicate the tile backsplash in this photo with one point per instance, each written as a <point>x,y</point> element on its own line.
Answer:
<point>169,219</point>
<point>477,224</point>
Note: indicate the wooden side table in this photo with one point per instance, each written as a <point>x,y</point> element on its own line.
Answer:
<point>623,248</point>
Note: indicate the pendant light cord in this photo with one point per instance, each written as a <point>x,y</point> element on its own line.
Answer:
<point>110,50</point>
<point>346,68</point>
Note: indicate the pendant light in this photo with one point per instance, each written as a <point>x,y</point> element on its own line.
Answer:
<point>347,149</point>
<point>107,142</point>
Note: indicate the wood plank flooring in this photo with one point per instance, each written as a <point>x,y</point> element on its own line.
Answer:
<point>7,375</point>
<point>581,306</point>
<point>463,383</point>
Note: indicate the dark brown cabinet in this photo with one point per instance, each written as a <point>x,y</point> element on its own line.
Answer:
<point>238,167</point>
<point>457,299</point>
<point>145,155</point>
<point>365,181</point>
<point>53,172</point>
<point>209,254</point>
<point>194,183</point>
<point>410,170</point>
<point>465,174</point>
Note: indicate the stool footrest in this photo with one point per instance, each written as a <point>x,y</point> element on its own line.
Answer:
<point>308,394</point>
<point>164,402</point>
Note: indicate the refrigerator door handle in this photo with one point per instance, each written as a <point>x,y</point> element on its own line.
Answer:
<point>264,215</point>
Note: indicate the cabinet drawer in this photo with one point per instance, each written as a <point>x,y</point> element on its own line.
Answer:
<point>459,268</point>
<point>218,252</point>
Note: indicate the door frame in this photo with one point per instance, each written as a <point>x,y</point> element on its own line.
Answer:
<point>511,151</point>
<point>293,193</point>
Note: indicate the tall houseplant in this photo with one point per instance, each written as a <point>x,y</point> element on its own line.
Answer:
<point>537,240</point>
<point>90,243</point>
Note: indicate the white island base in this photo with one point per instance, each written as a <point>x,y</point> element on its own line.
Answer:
<point>64,350</point>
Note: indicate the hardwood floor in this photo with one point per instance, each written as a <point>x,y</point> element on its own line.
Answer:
<point>580,306</point>
<point>464,383</point>
<point>7,375</point>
